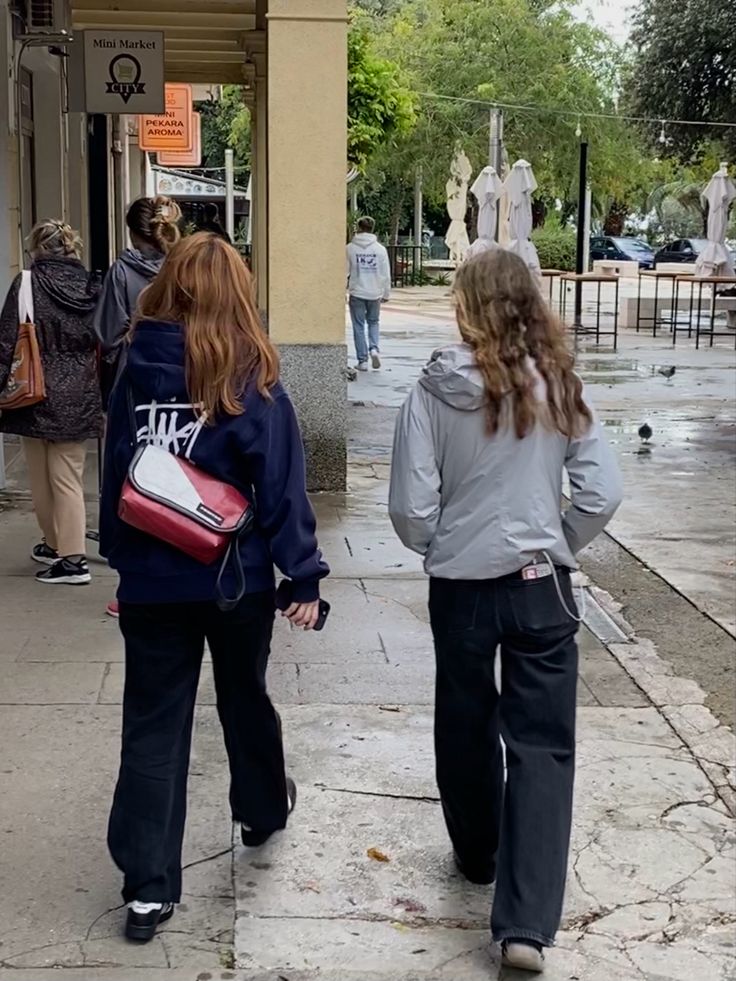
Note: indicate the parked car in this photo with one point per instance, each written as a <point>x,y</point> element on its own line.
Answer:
<point>682,250</point>
<point>623,249</point>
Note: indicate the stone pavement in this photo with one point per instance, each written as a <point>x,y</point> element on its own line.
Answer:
<point>651,885</point>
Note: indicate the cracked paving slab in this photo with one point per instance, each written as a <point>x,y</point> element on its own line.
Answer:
<point>651,865</point>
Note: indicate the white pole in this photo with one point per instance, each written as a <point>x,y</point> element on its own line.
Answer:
<point>418,207</point>
<point>230,193</point>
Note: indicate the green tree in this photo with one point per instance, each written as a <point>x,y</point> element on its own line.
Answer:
<point>380,106</point>
<point>225,124</point>
<point>684,67</point>
<point>525,52</point>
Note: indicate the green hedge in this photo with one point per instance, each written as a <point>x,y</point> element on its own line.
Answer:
<point>556,247</point>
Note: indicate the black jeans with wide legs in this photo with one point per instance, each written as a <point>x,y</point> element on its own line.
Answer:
<point>164,645</point>
<point>521,826</point>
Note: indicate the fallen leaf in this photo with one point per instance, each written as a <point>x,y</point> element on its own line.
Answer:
<point>377,855</point>
<point>389,708</point>
<point>421,950</point>
<point>310,887</point>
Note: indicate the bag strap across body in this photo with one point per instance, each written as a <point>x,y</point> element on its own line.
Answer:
<point>25,298</point>
<point>224,603</point>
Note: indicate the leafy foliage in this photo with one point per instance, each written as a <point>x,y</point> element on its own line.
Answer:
<point>380,107</point>
<point>556,246</point>
<point>225,124</point>
<point>684,67</point>
<point>515,51</point>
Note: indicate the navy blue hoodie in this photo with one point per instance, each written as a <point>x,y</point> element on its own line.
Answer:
<point>260,452</point>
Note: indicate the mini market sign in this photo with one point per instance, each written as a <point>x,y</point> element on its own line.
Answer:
<point>174,130</point>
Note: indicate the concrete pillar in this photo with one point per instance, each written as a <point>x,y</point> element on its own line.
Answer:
<point>8,159</point>
<point>259,187</point>
<point>307,96</point>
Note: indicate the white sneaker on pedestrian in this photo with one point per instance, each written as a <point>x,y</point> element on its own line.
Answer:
<point>524,956</point>
<point>375,359</point>
<point>362,366</point>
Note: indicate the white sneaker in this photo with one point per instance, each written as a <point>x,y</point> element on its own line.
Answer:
<point>375,359</point>
<point>362,366</point>
<point>524,957</point>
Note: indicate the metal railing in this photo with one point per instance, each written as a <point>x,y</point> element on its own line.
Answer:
<point>406,263</point>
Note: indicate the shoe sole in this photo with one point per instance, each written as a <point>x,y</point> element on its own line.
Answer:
<point>67,581</point>
<point>524,959</point>
<point>42,561</point>
<point>144,934</point>
<point>362,367</point>
<point>375,361</point>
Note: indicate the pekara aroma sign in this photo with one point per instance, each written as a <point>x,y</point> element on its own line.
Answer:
<point>124,71</point>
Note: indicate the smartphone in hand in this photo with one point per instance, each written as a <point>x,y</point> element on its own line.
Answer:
<point>284,601</point>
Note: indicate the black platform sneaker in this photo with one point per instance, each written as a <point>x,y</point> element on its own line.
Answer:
<point>144,919</point>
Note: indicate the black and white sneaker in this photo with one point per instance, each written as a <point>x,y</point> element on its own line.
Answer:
<point>144,919</point>
<point>66,573</point>
<point>254,839</point>
<point>44,554</point>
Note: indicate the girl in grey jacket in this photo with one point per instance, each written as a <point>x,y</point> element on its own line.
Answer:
<point>480,451</point>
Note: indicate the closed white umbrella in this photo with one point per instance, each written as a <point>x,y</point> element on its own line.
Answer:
<point>456,239</point>
<point>715,259</point>
<point>486,190</point>
<point>519,187</point>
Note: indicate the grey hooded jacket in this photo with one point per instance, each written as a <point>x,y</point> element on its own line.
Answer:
<point>127,277</point>
<point>479,506</point>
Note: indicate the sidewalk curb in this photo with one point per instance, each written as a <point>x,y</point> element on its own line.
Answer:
<point>679,700</point>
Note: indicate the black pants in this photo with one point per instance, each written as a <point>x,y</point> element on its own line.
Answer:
<point>164,645</point>
<point>522,828</point>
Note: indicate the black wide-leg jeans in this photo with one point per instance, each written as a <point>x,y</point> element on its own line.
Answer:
<point>164,646</point>
<point>518,826</point>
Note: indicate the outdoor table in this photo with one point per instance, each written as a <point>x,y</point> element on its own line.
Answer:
<point>656,275</point>
<point>551,275</point>
<point>700,282</point>
<point>599,280</point>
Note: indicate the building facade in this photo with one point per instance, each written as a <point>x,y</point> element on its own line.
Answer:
<point>291,58</point>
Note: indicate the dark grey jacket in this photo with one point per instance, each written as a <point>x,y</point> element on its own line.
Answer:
<point>126,279</point>
<point>64,303</point>
<point>480,506</point>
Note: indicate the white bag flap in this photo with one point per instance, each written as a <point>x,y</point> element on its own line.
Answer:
<point>25,299</point>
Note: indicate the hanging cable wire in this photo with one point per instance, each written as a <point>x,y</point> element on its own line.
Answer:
<point>574,113</point>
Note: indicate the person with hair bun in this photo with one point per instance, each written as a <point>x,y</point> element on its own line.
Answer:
<point>153,226</point>
<point>55,430</point>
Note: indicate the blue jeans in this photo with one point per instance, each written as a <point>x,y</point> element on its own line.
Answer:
<point>520,827</point>
<point>365,313</point>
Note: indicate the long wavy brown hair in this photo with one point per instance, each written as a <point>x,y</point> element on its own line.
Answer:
<point>504,319</point>
<point>204,285</point>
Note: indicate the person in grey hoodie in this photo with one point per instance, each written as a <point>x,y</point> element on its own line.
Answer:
<point>369,285</point>
<point>153,229</point>
<point>480,450</point>
<point>153,226</point>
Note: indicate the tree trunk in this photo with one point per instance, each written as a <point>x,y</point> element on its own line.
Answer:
<point>539,212</point>
<point>616,219</point>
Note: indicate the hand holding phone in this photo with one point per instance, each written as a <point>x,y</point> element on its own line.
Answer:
<point>299,613</point>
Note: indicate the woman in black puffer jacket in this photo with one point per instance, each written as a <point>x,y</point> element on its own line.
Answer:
<point>55,430</point>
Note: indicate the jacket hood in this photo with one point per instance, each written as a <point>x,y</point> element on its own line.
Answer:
<point>146,264</point>
<point>364,240</point>
<point>452,377</point>
<point>67,283</point>
<point>155,361</point>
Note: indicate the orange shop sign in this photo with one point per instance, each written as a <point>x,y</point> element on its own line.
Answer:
<point>188,158</point>
<point>174,131</point>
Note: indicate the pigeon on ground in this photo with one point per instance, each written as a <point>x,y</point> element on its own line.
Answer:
<point>645,432</point>
<point>667,372</point>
